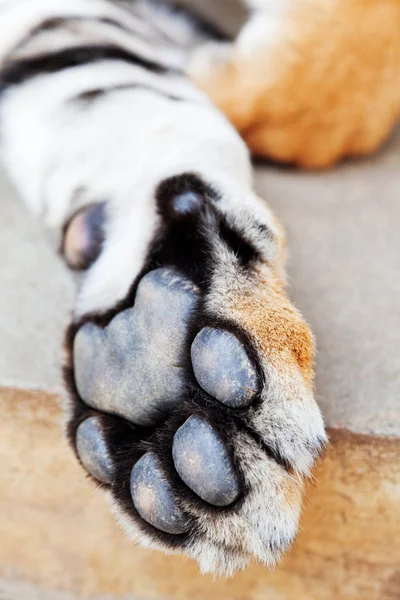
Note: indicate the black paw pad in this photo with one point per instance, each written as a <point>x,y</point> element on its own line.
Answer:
<point>92,450</point>
<point>84,236</point>
<point>134,367</point>
<point>203,462</point>
<point>223,369</point>
<point>153,497</point>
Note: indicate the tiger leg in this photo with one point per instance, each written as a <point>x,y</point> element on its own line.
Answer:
<point>190,373</point>
<point>308,82</point>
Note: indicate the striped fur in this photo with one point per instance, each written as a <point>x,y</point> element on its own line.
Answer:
<point>84,84</point>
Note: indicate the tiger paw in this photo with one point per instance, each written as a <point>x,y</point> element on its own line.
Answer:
<point>192,398</point>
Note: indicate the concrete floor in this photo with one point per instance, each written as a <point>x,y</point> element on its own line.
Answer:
<point>37,294</point>
<point>345,277</point>
<point>344,273</point>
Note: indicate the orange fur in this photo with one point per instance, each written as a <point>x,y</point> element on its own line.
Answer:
<point>327,88</point>
<point>268,316</point>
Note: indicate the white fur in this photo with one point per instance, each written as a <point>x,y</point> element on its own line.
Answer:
<point>264,29</point>
<point>260,36</point>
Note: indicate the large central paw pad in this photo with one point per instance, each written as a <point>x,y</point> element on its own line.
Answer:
<point>134,367</point>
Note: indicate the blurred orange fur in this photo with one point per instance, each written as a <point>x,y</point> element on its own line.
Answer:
<point>326,88</point>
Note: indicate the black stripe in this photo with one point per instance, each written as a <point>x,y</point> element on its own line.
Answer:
<point>267,448</point>
<point>53,23</point>
<point>21,70</point>
<point>242,248</point>
<point>94,94</point>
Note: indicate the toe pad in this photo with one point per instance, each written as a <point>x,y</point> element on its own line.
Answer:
<point>92,450</point>
<point>84,236</point>
<point>153,497</point>
<point>223,369</point>
<point>133,367</point>
<point>203,463</point>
